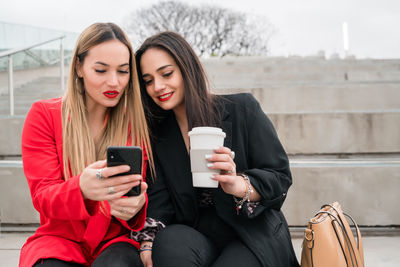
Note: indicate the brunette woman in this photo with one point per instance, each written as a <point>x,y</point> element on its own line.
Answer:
<point>240,222</point>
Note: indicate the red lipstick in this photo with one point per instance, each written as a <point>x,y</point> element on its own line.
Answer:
<point>165,97</point>
<point>111,94</point>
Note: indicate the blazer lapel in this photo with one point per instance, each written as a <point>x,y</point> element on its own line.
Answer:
<point>227,127</point>
<point>219,195</point>
<point>174,159</point>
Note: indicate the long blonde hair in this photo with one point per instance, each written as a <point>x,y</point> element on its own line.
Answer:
<point>124,122</point>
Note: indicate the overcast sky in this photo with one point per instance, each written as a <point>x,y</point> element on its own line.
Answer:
<point>304,27</point>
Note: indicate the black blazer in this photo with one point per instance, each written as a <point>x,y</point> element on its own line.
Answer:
<point>258,153</point>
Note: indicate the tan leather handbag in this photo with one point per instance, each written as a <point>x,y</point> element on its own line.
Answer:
<point>329,241</point>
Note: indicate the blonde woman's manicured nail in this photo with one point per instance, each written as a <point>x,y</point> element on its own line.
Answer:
<point>208,156</point>
<point>209,165</point>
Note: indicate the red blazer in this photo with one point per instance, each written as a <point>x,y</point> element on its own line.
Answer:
<point>71,228</point>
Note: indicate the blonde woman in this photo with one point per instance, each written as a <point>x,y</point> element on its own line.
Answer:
<point>85,219</point>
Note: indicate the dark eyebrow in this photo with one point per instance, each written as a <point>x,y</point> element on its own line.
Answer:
<point>104,64</point>
<point>163,67</point>
<point>159,69</point>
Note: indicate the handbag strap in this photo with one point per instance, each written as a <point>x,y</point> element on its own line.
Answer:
<point>355,251</point>
<point>335,224</point>
<point>359,239</point>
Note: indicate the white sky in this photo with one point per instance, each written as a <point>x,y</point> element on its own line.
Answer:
<point>304,27</point>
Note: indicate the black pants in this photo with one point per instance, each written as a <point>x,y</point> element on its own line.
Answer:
<point>210,243</point>
<point>119,255</point>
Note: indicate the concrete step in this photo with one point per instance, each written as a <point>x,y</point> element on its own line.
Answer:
<point>27,94</point>
<point>339,132</point>
<point>24,103</point>
<point>274,98</point>
<point>379,251</point>
<point>304,133</point>
<point>252,70</point>
<point>284,97</point>
<point>10,135</point>
<point>15,198</point>
<point>22,77</point>
<point>367,189</point>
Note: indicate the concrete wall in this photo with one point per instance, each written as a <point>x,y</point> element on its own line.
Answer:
<point>321,109</point>
<point>368,192</point>
<point>255,72</point>
<point>324,97</point>
<point>307,133</point>
<point>15,199</point>
<point>10,137</point>
<point>22,77</point>
<point>339,133</point>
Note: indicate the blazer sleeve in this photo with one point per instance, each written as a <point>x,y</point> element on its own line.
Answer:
<point>268,164</point>
<point>52,196</point>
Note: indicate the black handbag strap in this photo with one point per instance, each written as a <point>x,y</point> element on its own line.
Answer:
<point>340,222</point>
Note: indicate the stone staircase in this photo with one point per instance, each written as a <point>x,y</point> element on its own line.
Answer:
<point>25,95</point>
<point>339,121</point>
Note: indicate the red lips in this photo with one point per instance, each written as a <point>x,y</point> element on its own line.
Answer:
<point>111,94</point>
<point>165,97</point>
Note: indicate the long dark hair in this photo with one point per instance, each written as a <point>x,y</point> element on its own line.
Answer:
<point>200,104</point>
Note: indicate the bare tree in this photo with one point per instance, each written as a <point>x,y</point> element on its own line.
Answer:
<point>211,30</point>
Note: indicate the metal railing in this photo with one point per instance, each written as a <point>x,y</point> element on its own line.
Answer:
<point>11,52</point>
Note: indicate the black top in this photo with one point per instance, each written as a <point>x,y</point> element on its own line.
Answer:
<point>258,153</point>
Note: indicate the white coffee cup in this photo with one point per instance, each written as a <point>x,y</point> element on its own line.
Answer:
<point>203,141</point>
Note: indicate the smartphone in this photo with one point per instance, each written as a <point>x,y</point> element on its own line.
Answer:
<point>126,155</point>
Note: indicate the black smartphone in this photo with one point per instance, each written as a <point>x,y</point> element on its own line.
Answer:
<point>126,155</point>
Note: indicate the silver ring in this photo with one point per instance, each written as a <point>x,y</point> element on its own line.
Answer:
<point>98,174</point>
<point>111,190</point>
<point>233,154</point>
<point>123,210</point>
<point>230,171</point>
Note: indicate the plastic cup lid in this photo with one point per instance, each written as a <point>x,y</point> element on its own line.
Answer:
<point>207,130</point>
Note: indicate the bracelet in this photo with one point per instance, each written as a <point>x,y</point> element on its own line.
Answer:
<point>145,247</point>
<point>239,203</point>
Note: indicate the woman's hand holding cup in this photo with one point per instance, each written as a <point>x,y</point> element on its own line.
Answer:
<point>230,182</point>
<point>228,179</point>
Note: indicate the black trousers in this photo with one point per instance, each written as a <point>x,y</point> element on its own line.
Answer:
<point>119,255</point>
<point>210,243</point>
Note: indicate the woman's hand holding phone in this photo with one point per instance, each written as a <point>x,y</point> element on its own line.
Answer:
<point>96,181</point>
<point>125,208</point>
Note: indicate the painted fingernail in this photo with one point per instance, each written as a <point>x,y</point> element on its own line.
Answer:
<point>208,156</point>
<point>210,165</point>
